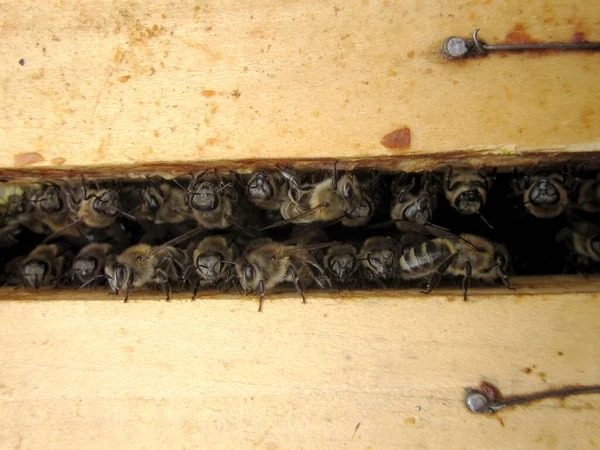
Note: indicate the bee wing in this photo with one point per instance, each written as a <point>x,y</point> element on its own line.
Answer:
<point>293,219</point>
<point>184,237</point>
<point>303,248</point>
<point>431,229</point>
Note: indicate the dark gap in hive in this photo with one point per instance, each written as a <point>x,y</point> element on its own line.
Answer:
<point>530,241</point>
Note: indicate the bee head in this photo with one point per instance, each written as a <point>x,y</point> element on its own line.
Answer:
<point>544,192</point>
<point>107,204</point>
<point>420,211</point>
<point>382,263</point>
<point>205,197</point>
<point>260,186</point>
<point>50,201</point>
<point>84,268</point>
<point>34,272</point>
<point>342,266</point>
<point>210,265</point>
<point>469,201</point>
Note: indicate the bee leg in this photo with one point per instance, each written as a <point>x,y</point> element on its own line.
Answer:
<point>467,280</point>
<point>296,280</point>
<point>164,282</point>
<point>435,279</point>
<point>261,295</point>
<point>505,280</point>
<point>196,286</point>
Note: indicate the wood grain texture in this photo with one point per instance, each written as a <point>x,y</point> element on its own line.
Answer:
<point>126,83</point>
<point>215,373</point>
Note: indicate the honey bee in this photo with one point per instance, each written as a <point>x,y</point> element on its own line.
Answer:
<point>266,263</point>
<point>466,255</point>
<point>162,204</point>
<point>341,263</point>
<point>213,260</point>
<point>98,208</point>
<point>9,235</point>
<point>414,200</point>
<point>332,199</point>
<point>544,195</point>
<point>267,189</point>
<point>582,239</point>
<point>88,264</point>
<point>44,265</point>
<point>214,201</point>
<point>142,265</point>
<point>379,258</point>
<point>51,208</point>
<point>588,195</point>
<point>467,190</point>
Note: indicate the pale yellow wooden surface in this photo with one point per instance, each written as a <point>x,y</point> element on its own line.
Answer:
<point>215,373</point>
<point>114,83</point>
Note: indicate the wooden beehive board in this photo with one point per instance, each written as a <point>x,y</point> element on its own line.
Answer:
<point>135,86</point>
<point>215,373</point>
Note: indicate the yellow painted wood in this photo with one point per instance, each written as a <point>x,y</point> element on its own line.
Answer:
<point>215,373</point>
<point>127,83</point>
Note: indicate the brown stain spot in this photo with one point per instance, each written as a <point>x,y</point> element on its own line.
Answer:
<point>579,36</point>
<point>236,93</point>
<point>124,78</point>
<point>560,353</point>
<point>58,161</point>
<point>208,93</point>
<point>38,75</point>
<point>397,140</point>
<point>586,114</point>
<point>410,421</point>
<point>518,35</point>
<point>542,375</point>
<point>411,54</point>
<point>472,16</point>
<point>592,442</point>
<point>499,419</point>
<point>27,159</point>
<point>527,370</point>
<point>156,133</point>
<point>211,141</point>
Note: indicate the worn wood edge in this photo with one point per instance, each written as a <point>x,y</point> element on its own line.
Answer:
<point>503,158</point>
<point>524,287</point>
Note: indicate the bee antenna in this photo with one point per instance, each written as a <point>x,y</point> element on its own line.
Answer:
<point>127,215</point>
<point>230,262</point>
<point>155,185</point>
<point>94,278</point>
<point>334,180</point>
<point>53,235</point>
<point>180,185</point>
<point>484,221</point>
<point>223,188</point>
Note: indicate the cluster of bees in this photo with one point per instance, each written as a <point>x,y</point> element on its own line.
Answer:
<point>324,228</point>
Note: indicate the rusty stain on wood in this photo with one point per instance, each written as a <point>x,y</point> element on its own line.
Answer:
<point>398,139</point>
<point>27,159</point>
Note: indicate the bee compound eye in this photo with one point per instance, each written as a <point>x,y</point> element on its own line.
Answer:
<point>248,272</point>
<point>348,191</point>
<point>120,273</point>
<point>154,203</point>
